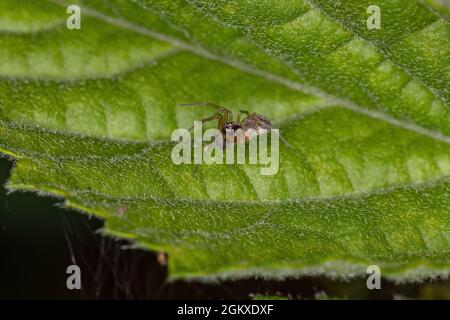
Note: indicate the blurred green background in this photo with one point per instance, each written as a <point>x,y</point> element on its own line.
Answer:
<point>39,239</point>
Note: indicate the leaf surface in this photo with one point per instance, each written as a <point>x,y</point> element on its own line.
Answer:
<point>364,180</point>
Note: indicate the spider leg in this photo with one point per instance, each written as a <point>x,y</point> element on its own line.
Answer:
<point>213,117</point>
<point>203,103</point>
<point>195,169</point>
<point>241,112</point>
<point>219,125</point>
<point>228,115</point>
<point>284,140</point>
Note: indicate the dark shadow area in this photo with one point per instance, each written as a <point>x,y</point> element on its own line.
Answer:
<point>36,237</point>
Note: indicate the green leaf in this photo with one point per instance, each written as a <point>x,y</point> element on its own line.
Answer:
<point>440,6</point>
<point>364,180</point>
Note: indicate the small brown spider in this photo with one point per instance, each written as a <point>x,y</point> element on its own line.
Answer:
<point>224,116</point>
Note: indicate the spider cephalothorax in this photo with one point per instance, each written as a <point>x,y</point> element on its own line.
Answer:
<point>229,126</point>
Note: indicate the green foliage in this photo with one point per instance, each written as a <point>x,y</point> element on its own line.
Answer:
<point>364,180</point>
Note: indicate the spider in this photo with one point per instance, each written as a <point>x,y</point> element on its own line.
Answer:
<point>225,122</point>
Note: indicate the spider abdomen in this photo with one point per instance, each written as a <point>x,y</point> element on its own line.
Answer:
<point>256,122</point>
